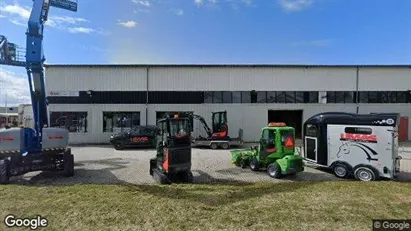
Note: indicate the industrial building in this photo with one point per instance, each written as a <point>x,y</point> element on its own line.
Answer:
<point>94,101</point>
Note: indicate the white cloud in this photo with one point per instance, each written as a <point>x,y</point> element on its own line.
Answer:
<point>128,24</point>
<point>198,2</point>
<point>178,12</point>
<point>15,86</point>
<point>19,15</point>
<point>295,5</point>
<point>143,3</point>
<point>80,30</point>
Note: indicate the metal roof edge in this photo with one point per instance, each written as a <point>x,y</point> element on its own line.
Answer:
<point>233,65</point>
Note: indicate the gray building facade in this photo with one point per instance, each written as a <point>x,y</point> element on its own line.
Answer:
<point>94,101</point>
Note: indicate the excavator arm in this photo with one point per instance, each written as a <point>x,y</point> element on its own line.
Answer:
<point>204,123</point>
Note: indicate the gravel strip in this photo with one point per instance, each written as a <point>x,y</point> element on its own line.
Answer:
<point>104,165</point>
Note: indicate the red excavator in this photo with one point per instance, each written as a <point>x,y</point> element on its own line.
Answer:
<point>218,135</point>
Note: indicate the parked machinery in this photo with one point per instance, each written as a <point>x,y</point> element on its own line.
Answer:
<point>42,148</point>
<point>173,159</point>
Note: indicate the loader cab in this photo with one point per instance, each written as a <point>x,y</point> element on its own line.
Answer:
<point>219,126</point>
<point>277,140</point>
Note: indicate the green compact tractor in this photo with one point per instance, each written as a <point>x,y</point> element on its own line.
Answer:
<point>275,152</point>
<point>173,160</point>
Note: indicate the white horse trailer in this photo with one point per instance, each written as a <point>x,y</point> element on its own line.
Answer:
<point>361,145</point>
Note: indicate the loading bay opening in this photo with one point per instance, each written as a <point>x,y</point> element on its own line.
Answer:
<point>293,118</point>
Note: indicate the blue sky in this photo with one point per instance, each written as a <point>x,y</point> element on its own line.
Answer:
<point>216,31</point>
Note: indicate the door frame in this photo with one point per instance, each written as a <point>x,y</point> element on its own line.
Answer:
<point>315,150</point>
<point>289,109</point>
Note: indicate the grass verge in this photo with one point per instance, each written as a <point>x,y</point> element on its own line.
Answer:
<point>341,205</point>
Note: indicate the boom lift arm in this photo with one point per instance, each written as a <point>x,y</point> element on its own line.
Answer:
<point>35,61</point>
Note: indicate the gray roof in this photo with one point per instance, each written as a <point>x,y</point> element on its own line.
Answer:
<point>228,65</point>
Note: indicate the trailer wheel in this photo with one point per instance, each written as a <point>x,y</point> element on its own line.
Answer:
<point>254,165</point>
<point>213,146</point>
<point>225,145</point>
<point>364,174</point>
<point>68,164</point>
<point>274,170</point>
<point>4,171</point>
<point>341,170</point>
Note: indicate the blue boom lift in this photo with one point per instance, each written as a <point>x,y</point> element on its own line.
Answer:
<point>26,149</point>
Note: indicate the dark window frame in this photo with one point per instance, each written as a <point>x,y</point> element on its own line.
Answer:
<point>116,114</point>
<point>64,119</point>
<point>358,130</point>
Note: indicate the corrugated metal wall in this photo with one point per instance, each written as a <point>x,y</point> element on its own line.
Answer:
<point>200,78</point>
<point>246,78</point>
<point>250,117</point>
<point>96,78</point>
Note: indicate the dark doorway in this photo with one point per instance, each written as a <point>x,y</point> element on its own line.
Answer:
<point>293,118</point>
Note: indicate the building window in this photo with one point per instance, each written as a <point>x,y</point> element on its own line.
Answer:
<point>340,97</point>
<point>236,96</point>
<point>246,97</point>
<point>208,97</point>
<point>290,97</point>
<point>261,97</point>
<point>217,97</point>
<point>271,97</point>
<point>72,121</point>
<point>227,97</point>
<point>117,122</point>
<point>383,97</point>
<point>280,97</point>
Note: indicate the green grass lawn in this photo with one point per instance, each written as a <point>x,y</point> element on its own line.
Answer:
<point>345,205</point>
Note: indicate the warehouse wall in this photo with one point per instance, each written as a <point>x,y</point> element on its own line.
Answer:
<point>384,79</point>
<point>246,78</point>
<point>96,78</point>
<point>85,78</point>
<point>251,118</point>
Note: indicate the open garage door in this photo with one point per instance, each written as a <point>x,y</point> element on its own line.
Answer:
<point>293,118</point>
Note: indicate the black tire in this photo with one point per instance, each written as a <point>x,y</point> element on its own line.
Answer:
<point>68,165</point>
<point>225,145</point>
<point>364,173</point>
<point>118,145</point>
<point>189,178</point>
<point>274,170</point>
<point>4,171</point>
<point>254,165</point>
<point>213,146</point>
<point>341,170</point>
<point>243,163</point>
<point>159,177</point>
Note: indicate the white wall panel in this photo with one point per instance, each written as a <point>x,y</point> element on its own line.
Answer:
<point>249,78</point>
<point>96,78</point>
<point>384,79</point>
